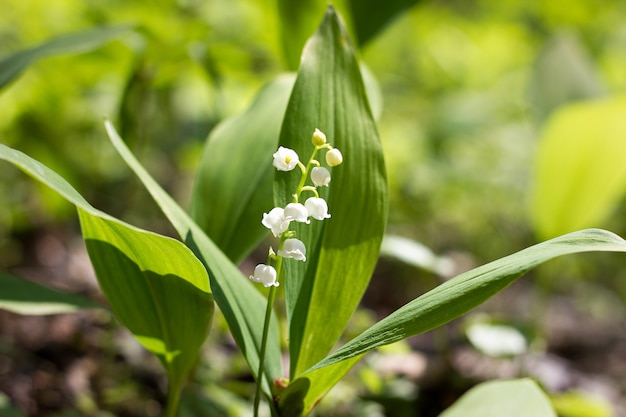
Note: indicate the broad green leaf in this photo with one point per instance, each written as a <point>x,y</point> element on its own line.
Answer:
<point>12,66</point>
<point>24,297</point>
<point>459,295</point>
<point>156,288</point>
<point>241,303</point>
<point>155,285</point>
<point>511,398</point>
<point>323,292</point>
<point>580,174</point>
<point>234,180</point>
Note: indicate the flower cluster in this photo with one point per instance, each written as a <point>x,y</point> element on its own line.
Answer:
<point>278,219</point>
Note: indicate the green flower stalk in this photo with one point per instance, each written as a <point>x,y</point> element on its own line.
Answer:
<point>278,219</point>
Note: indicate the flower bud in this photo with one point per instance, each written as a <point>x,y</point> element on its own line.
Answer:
<point>319,138</point>
<point>320,176</point>
<point>334,157</point>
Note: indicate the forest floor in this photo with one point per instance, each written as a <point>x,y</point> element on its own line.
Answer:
<point>81,363</point>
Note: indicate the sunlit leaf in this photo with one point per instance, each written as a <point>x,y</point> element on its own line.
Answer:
<point>12,66</point>
<point>511,398</point>
<point>468,290</point>
<point>24,297</point>
<point>241,303</point>
<point>577,403</point>
<point>155,285</point>
<point>236,166</point>
<point>323,292</point>
<point>580,174</point>
<point>437,307</point>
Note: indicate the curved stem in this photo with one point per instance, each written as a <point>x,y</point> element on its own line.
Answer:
<point>259,383</point>
<point>266,327</point>
<point>304,175</point>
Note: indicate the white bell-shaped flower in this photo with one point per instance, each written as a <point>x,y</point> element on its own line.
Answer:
<point>293,248</point>
<point>320,176</point>
<point>296,212</point>
<point>275,221</point>
<point>285,159</point>
<point>317,208</point>
<point>334,157</point>
<point>265,274</point>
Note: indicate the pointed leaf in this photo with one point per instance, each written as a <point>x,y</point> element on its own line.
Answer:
<point>12,66</point>
<point>580,174</point>
<point>435,308</point>
<point>24,297</point>
<point>511,398</point>
<point>241,303</point>
<point>366,18</point>
<point>341,251</point>
<point>459,295</point>
<point>236,166</point>
<point>155,284</point>
<point>299,20</point>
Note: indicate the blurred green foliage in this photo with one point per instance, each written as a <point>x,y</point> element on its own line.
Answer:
<point>459,82</point>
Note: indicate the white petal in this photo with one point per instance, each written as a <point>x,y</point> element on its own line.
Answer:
<point>317,208</point>
<point>320,176</point>
<point>285,159</point>
<point>293,248</point>
<point>296,212</point>
<point>265,274</point>
<point>275,221</point>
